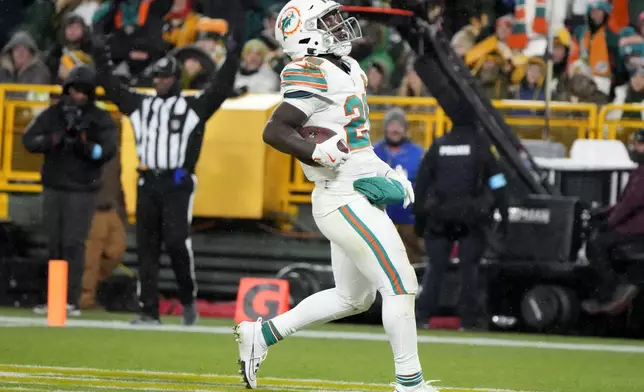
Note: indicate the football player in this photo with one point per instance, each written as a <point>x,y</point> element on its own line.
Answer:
<point>324,87</point>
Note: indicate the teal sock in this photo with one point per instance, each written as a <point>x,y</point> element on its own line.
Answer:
<point>410,380</point>
<point>270,333</point>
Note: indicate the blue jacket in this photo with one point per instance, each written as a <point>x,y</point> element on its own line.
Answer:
<point>409,156</point>
<point>529,93</point>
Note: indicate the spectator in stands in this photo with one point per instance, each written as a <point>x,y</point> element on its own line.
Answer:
<point>402,55</point>
<point>377,80</point>
<point>267,36</point>
<point>73,37</point>
<point>276,59</point>
<point>211,40</point>
<point>69,61</point>
<point>379,36</point>
<point>197,67</point>
<point>597,42</point>
<point>136,40</point>
<point>631,49</point>
<point>640,24</point>
<point>43,19</point>
<point>404,156</point>
<point>255,75</point>
<point>105,245</point>
<point>635,93</point>
<point>560,54</point>
<point>491,71</point>
<point>181,24</point>
<point>491,43</point>
<point>464,40</point>
<point>580,86</point>
<point>20,61</point>
<point>76,139</point>
<point>412,85</point>
<point>531,87</point>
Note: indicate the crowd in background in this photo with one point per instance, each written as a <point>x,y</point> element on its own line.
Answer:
<point>597,55</point>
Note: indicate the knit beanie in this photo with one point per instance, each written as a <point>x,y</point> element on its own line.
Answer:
<point>599,4</point>
<point>396,114</point>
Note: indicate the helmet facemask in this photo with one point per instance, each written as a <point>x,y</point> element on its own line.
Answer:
<point>337,32</point>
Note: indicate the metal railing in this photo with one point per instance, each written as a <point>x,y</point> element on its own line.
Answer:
<point>427,120</point>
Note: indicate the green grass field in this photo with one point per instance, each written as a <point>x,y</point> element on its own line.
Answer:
<point>100,352</point>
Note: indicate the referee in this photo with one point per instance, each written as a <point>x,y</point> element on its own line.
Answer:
<point>169,130</point>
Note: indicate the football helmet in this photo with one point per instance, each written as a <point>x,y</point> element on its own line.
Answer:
<point>315,27</point>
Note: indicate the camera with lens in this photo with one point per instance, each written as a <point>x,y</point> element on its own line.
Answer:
<point>74,122</point>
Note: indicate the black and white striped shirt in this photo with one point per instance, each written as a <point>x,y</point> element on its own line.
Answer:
<point>168,133</point>
<point>169,129</point>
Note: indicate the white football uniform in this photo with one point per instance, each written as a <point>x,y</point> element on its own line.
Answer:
<point>336,99</point>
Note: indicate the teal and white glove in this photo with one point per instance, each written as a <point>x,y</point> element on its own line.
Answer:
<point>400,176</point>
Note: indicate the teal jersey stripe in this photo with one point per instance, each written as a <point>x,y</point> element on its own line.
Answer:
<point>376,247</point>
<point>304,78</point>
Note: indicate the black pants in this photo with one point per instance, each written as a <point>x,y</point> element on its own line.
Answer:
<point>164,214</point>
<point>599,249</point>
<point>67,217</point>
<point>438,247</point>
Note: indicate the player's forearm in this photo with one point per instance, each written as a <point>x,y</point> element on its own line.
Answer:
<point>285,139</point>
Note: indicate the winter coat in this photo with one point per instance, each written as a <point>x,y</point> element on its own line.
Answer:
<point>76,142</point>
<point>627,216</point>
<point>35,72</point>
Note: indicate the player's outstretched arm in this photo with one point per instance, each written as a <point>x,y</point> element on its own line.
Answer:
<point>280,133</point>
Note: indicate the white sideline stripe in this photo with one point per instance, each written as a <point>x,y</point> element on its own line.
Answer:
<point>134,373</point>
<point>95,387</point>
<point>38,379</point>
<point>490,342</point>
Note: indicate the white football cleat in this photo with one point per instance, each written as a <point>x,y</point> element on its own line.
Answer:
<point>252,350</point>
<point>422,387</point>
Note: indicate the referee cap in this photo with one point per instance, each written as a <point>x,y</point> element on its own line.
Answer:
<point>167,66</point>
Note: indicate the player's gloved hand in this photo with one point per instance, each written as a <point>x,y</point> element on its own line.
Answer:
<point>328,154</point>
<point>409,188</point>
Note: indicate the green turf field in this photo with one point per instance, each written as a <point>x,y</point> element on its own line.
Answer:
<point>100,352</point>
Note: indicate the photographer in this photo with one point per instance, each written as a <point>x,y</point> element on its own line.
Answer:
<point>76,138</point>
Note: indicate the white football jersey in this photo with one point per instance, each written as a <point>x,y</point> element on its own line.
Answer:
<point>339,104</point>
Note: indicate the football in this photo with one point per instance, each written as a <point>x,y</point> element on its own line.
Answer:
<point>320,135</point>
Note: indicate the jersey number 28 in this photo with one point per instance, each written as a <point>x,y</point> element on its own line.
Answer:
<point>358,128</point>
